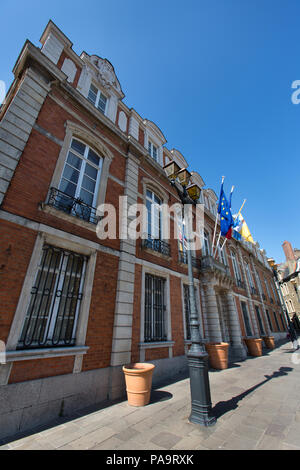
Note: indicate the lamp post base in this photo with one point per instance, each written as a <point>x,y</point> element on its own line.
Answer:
<point>200,390</point>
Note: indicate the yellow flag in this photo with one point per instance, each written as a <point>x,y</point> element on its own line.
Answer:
<point>245,232</point>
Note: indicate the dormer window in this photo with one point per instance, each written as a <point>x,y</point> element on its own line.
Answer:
<point>97,98</point>
<point>152,150</point>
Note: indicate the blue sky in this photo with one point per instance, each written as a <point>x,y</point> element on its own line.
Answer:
<point>214,75</point>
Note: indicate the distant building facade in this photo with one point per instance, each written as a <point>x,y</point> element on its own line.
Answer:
<point>289,275</point>
<point>75,307</point>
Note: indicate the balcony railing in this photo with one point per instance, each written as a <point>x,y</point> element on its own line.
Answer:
<point>182,256</point>
<point>208,263</point>
<point>263,296</point>
<point>156,244</point>
<point>73,206</point>
<point>271,300</point>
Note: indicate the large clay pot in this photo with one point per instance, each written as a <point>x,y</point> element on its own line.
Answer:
<point>254,346</point>
<point>269,342</point>
<point>138,379</point>
<point>218,355</point>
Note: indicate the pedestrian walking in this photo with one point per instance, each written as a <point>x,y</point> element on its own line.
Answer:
<point>292,335</point>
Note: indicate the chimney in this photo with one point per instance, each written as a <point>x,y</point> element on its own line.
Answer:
<point>288,251</point>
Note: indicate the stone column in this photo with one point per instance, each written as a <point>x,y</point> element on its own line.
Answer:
<point>237,349</point>
<point>212,314</point>
<point>122,332</point>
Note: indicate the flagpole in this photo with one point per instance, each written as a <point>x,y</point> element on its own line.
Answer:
<point>217,244</point>
<point>223,244</point>
<point>241,207</point>
<point>213,242</point>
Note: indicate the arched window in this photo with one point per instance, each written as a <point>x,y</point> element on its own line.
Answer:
<point>235,266</point>
<point>249,276</point>
<point>81,173</point>
<point>206,244</point>
<point>79,182</point>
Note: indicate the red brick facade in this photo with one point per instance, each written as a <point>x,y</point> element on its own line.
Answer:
<point>24,215</point>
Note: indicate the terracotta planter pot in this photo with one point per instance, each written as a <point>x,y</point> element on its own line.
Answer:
<point>254,346</point>
<point>218,355</point>
<point>138,379</point>
<point>269,342</point>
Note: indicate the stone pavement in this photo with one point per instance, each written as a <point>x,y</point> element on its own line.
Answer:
<point>257,403</point>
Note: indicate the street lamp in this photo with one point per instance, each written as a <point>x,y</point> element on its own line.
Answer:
<point>197,355</point>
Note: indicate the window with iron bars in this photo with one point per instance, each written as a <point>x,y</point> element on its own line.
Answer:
<point>53,310</point>
<point>155,328</point>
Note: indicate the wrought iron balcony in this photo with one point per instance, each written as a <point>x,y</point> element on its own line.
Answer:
<point>182,256</point>
<point>73,206</point>
<point>210,264</point>
<point>263,296</point>
<point>156,244</point>
<point>271,300</point>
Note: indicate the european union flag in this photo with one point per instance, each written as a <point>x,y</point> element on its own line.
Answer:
<point>226,219</point>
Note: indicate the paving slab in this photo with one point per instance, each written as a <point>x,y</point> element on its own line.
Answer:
<point>256,402</point>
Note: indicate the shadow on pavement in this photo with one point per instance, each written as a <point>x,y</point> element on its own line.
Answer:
<point>223,407</point>
<point>159,395</point>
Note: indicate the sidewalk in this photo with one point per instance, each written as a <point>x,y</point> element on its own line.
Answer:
<point>257,403</point>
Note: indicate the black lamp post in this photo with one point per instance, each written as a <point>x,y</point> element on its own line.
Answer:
<point>197,356</point>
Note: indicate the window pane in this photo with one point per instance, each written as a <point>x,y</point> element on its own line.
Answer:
<point>74,161</point>
<point>92,96</point>
<point>90,171</point>
<point>88,183</point>
<point>67,187</point>
<point>149,194</point>
<point>156,199</point>
<point>71,174</point>
<point>102,103</point>
<point>93,157</point>
<point>86,197</point>
<point>78,146</point>
<point>154,322</point>
<point>154,154</point>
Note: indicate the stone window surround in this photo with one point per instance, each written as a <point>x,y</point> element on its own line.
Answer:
<point>160,344</point>
<point>100,91</point>
<point>150,137</point>
<point>24,299</point>
<point>74,130</point>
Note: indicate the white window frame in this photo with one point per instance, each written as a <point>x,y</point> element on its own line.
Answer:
<point>249,275</point>
<point>267,288</point>
<point>98,96</point>
<point>85,162</point>
<point>206,245</point>
<point>151,148</point>
<point>156,208</point>
<point>235,265</point>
